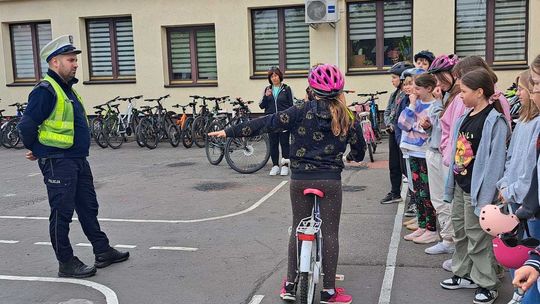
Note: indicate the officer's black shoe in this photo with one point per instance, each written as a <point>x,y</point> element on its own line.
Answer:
<point>112,256</point>
<point>75,269</point>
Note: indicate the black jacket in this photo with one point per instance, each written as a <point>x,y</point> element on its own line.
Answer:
<point>316,153</point>
<point>41,103</point>
<point>284,100</point>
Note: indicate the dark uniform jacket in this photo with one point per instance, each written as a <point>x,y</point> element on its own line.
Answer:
<point>41,103</point>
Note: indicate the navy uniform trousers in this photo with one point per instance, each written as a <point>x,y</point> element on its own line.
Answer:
<point>70,187</point>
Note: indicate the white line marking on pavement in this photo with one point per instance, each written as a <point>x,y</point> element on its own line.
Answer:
<point>10,195</point>
<point>125,246</point>
<point>8,242</point>
<point>43,243</point>
<point>83,245</point>
<point>173,248</point>
<point>257,204</point>
<point>256,299</point>
<point>110,295</point>
<point>33,174</point>
<point>386,288</point>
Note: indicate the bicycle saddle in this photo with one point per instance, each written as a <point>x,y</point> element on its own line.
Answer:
<point>316,192</point>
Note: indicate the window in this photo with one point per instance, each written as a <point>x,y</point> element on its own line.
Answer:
<point>192,55</point>
<point>26,43</point>
<point>379,34</point>
<point>111,51</point>
<point>280,38</point>
<point>493,29</point>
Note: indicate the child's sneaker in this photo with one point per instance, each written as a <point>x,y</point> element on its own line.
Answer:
<point>457,282</point>
<point>447,265</point>
<point>288,292</point>
<point>339,297</point>
<point>485,296</point>
<point>427,237</point>
<point>411,236</point>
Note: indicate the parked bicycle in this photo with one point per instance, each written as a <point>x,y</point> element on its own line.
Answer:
<point>8,129</point>
<point>118,126</point>
<point>374,111</point>
<point>367,127</point>
<point>160,125</point>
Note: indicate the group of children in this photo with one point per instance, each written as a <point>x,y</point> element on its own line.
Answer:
<point>451,137</point>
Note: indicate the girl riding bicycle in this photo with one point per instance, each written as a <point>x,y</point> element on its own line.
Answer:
<point>320,131</point>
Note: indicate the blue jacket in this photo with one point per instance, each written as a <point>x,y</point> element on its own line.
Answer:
<point>41,103</point>
<point>316,153</point>
<point>521,155</point>
<point>488,166</point>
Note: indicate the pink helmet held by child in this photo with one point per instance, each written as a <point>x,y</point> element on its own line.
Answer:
<point>511,251</point>
<point>326,80</point>
<point>494,222</point>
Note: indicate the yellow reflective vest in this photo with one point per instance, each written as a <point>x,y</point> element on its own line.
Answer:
<point>58,130</point>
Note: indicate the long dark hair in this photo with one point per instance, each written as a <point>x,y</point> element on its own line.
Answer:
<point>481,79</point>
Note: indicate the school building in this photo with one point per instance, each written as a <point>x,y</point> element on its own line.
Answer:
<point>225,47</point>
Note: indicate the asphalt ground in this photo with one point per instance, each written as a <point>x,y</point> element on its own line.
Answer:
<point>229,234</point>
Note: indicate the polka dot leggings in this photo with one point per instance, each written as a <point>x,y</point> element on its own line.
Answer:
<point>330,207</point>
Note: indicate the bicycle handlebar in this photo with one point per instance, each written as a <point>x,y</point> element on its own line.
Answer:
<point>349,91</point>
<point>372,94</point>
<point>158,99</point>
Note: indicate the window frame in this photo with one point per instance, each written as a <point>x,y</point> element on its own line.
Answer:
<point>490,38</point>
<point>35,50</point>
<point>379,67</point>
<point>281,43</point>
<point>116,78</point>
<point>192,30</point>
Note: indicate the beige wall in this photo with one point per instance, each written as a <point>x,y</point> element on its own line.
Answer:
<point>233,45</point>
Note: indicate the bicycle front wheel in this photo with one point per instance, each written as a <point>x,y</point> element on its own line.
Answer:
<point>114,138</point>
<point>214,146</point>
<point>174,135</point>
<point>247,154</point>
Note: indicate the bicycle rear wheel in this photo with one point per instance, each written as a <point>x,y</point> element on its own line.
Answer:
<point>187,139</point>
<point>214,146</point>
<point>306,288</point>
<point>148,134</point>
<point>247,154</point>
<point>198,132</point>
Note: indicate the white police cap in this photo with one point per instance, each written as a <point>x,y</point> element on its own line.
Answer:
<point>58,46</point>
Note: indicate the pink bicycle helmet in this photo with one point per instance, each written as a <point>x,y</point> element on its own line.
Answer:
<point>443,63</point>
<point>326,80</point>
<point>510,251</point>
<point>494,222</point>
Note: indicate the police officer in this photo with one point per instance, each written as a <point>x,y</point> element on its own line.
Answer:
<point>55,129</point>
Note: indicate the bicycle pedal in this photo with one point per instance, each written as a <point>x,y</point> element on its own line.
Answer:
<point>340,277</point>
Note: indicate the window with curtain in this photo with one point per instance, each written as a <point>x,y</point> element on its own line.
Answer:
<point>496,30</point>
<point>26,43</point>
<point>192,55</point>
<point>280,38</point>
<point>379,34</point>
<point>110,48</point>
